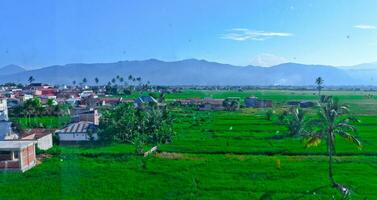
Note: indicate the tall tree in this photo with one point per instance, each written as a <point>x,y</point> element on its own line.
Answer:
<point>96,80</point>
<point>319,81</point>
<point>84,80</point>
<point>130,77</point>
<point>332,121</point>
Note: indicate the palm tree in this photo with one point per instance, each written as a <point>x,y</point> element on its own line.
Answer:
<point>96,80</point>
<point>84,80</point>
<point>31,79</point>
<point>74,82</point>
<point>332,121</point>
<point>319,81</point>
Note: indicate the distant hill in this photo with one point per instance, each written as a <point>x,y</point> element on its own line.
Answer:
<point>366,72</point>
<point>11,69</point>
<point>190,72</point>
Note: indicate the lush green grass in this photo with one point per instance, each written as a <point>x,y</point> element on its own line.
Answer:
<point>215,155</point>
<point>188,176</point>
<point>45,121</point>
<point>361,102</point>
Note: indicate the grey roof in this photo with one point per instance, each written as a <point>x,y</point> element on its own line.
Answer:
<point>5,129</point>
<point>145,99</point>
<point>79,127</point>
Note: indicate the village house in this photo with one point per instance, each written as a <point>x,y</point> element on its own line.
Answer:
<point>82,131</point>
<point>254,102</point>
<point>146,101</point>
<point>13,103</point>
<point>109,101</point>
<point>212,104</point>
<point>302,104</point>
<point>42,137</point>
<point>90,115</point>
<point>17,155</point>
<point>189,101</point>
<point>46,91</point>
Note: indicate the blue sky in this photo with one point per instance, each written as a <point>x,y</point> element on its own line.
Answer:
<point>46,32</point>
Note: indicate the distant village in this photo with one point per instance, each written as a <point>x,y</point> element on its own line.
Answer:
<point>82,104</point>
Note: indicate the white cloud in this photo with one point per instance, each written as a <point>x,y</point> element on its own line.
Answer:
<point>365,26</point>
<point>242,34</point>
<point>267,60</point>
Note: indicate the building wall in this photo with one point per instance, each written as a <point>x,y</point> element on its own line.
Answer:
<point>45,142</point>
<point>90,117</point>
<point>27,157</point>
<point>75,137</point>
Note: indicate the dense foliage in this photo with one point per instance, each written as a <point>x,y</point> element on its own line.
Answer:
<point>143,125</point>
<point>34,107</point>
<point>294,119</point>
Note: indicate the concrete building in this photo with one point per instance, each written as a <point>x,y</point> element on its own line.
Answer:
<point>90,115</point>
<point>78,132</point>
<point>42,137</point>
<point>17,155</point>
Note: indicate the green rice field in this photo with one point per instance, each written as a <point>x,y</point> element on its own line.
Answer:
<point>215,155</point>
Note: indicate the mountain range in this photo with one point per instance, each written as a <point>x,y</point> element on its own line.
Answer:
<point>196,72</point>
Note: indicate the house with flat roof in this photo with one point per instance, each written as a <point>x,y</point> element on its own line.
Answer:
<point>17,155</point>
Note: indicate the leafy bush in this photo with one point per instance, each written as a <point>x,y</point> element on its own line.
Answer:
<point>127,124</point>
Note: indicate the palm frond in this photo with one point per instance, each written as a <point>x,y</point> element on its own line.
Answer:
<point>349,127</point>
<point>351,138</point>
<point>312,141</point>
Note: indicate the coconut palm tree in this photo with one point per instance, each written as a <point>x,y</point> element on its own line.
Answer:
<point>84,80</point>
<point>319,81</point>
<point>31,79</point>
<point>130,77</point>
<point>332,121</point>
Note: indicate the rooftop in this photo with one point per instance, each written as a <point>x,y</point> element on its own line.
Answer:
<point>9,145</point>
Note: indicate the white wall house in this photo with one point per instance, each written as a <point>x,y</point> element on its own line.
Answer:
<point>43,137</point>
<point>78,132</point>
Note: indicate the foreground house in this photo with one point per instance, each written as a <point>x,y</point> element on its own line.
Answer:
<point>78,132</point>
<point>43,137</point>
<point>17,155</point>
